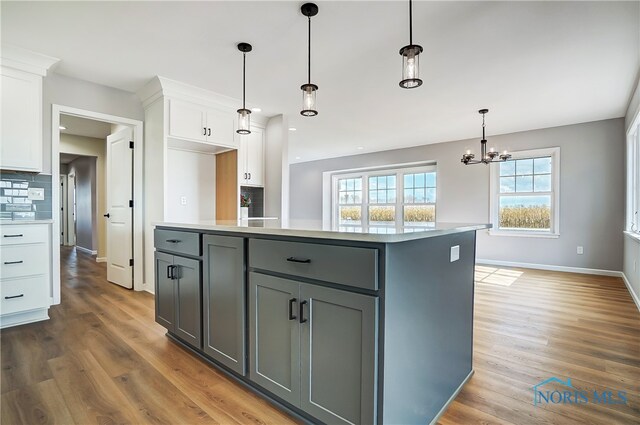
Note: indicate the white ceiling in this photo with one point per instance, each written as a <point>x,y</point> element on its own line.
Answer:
<point>85,127</point>
<point>533,64</point>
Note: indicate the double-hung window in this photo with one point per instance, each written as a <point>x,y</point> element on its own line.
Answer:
<point>385,200</point>
<point>525,194</point>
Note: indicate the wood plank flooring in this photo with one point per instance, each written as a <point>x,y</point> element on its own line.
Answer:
<point>102,359</point>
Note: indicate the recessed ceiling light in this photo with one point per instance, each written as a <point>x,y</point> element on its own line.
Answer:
<point>360,148</point>
<point>297,157</point>
<point>256,109</point>
<point>292,129</point>
<point>62,127</point>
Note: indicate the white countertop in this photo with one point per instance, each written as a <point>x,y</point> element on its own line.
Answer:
<point>313,229</point>
<point>13,222</point>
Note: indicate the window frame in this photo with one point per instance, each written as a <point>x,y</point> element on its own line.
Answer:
<point>494,195</point>
<point>632,220</point>
<point>365,204</point>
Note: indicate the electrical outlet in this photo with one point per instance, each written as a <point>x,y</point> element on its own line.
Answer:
<point>455,253</point>
<point>35,194</point>
<point>580,250</point>
<point>183,200</point>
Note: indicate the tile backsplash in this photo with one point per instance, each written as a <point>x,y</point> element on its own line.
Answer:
<point>14,196</point>
<point>256,194</point>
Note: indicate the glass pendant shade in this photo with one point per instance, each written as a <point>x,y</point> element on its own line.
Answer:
<point>411,66</point>
<point>309,108</point>
<point>244,121</point>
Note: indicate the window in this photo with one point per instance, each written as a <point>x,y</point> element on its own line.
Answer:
<point>633,178</point>
<point>385,201</point>
<point>525,194</point>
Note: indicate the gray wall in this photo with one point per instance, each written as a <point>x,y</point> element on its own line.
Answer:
<point>84,168</point>
<point>66,91</point>
<point>591,192</point>
<point>631,267</point>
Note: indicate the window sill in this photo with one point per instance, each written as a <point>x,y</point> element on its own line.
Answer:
<point>523,234</point>
<point>633,236</point>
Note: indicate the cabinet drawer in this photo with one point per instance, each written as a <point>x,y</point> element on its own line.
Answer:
<point>19,295</point>
<point>337,264</point>
<point>177,241</point>
<point>23,260</point>
<point>13,234</point>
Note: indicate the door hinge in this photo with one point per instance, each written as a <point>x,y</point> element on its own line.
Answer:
<point>131,262</point>
<point>131,144</point>
<point>131,203</point>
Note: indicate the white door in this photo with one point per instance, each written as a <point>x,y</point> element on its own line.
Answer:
<point>119,214</point>
<point>63,202</point>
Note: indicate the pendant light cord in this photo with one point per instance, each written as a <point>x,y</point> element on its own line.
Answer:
<point>410,23</point>
<point>309,50</point>
<point>244,77</point>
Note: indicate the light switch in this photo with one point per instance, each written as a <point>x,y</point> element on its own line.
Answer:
<point>455,253</point>
<point>36,194</point>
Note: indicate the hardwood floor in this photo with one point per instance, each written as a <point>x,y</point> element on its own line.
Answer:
<point>102,359</point>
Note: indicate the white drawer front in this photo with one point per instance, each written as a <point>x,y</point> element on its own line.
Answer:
<point>19,295</point>
<point>23,260</point>
<point>13,234</point>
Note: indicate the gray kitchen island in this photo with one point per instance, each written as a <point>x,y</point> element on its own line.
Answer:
<point>349,328</point>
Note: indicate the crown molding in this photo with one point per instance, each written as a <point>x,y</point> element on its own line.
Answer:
<point>26,60</point>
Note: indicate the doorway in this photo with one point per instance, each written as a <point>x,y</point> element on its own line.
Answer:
<point>115,181</point>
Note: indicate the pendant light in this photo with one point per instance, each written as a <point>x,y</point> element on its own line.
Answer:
<point>309,89</point>
<point>485,157</point>
<point>244,114</point>
<point>410,59</point>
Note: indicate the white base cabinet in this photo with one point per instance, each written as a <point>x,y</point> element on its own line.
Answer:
<point>24,273</point>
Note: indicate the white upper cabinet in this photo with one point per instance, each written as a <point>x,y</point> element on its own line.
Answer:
<point>191,121</point>
<point>220,127</point>
<point>21,121</point>
<point>187,121</point>
<point>251,158</point>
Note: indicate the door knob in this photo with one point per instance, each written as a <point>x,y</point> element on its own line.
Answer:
<point>107,215</point>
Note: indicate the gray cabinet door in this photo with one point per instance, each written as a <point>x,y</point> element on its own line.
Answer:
<point>338,355</point>
<point>165,297</point>
<point>224,300</point>
<point>274,341</point>
<point>188,299</point>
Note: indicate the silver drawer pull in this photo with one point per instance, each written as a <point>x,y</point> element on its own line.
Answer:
<point>14,296</point>
<point>299,260</point>
<point>14,262</point>
<point>173,240</point>
<point>14,236</point>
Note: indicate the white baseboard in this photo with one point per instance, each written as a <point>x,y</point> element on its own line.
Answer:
<point>634,296</point>
<point>101,259</point>
<point>88,251</point>
<point>551,267</point>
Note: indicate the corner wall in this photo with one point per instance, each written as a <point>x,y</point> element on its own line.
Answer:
<point>591,192</point>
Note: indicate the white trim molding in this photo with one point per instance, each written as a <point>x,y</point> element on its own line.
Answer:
<point>634,296</point>
<point>550,267</point>
<point>86,250</point>
<point>101,259</point>
<point>138,188</point>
